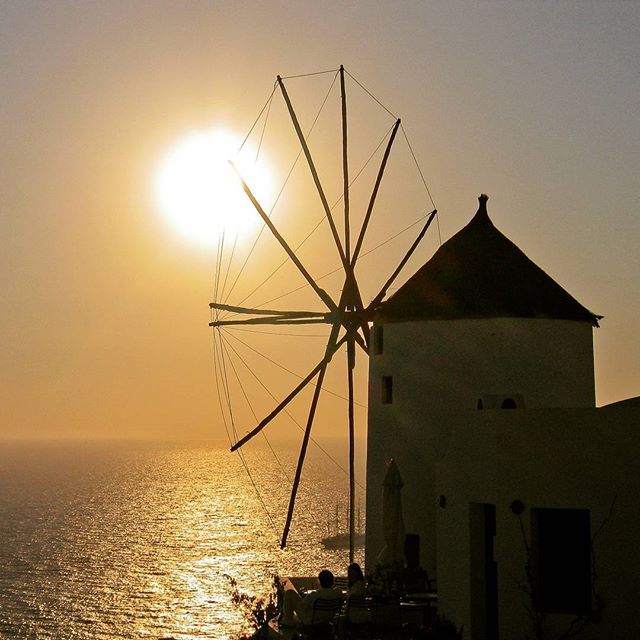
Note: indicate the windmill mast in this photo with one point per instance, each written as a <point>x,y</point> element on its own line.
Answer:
<point>351,306</point>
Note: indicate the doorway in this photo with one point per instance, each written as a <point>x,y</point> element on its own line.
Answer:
<point>483,572</point>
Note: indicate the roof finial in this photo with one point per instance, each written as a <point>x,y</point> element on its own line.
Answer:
<point>482,199</point>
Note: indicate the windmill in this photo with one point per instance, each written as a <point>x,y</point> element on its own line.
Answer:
<point>348,317</point>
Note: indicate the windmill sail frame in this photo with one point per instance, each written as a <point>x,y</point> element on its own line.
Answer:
<point>348,315</point>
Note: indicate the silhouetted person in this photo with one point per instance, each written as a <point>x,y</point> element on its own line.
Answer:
<point>293,603</point>
<point>355,580</point>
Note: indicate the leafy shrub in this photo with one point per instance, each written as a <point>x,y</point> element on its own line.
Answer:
<point>257,610</point>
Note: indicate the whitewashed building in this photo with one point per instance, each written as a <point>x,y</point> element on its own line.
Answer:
<point>526,497</point>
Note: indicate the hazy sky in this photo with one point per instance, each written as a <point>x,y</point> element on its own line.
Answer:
<point>104,307</point>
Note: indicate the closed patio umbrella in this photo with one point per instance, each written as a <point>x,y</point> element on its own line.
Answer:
<point>392,522</point>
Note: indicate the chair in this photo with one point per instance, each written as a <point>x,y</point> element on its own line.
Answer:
<point>341,583</point>
<point>322,615</point>
<point>359,617</point>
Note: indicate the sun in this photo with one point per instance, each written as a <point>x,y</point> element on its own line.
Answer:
<point>200,194</point>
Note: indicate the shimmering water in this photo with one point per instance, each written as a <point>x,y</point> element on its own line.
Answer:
<point>132,541</point>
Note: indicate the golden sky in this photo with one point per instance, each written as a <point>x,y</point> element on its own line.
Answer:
<point>104,309</point>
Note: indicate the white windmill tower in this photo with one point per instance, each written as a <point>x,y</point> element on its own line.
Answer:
<point>479,326</point>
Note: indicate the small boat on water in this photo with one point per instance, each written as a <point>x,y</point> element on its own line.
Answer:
<point>340,539</point>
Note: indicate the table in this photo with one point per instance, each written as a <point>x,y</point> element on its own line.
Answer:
<point>418,608</point>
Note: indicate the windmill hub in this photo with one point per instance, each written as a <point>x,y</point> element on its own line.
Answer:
<point>350,319</point>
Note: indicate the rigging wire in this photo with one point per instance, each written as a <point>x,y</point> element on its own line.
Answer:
<point>225,387</point>
<point>227,391</point>
<point>260,498</point>
<point>264,126</point>
<point>250,405</point>
<point>275,86</point>
<point>307,75</point>
<point>218,266</point>
<point>286,411</point>
<point>215,367</point>
<point>228,269</point>
<point>413,155</point>
<point>293,373</point>
<point>424,182</point>
<point>269,101</point>
<point>222,369</point>
<point>370,94</point>
<point>322,220</point>
<point>334,271</point>
<point>240,456</point>
<point>295,162</point>
<point>393,237</point>
<point>221,365</point>
<point>264,435</point>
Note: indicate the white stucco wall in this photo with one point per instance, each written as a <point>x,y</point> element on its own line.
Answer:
<point>444,366</point>
<point>577,459</point>
<point>453,362</point>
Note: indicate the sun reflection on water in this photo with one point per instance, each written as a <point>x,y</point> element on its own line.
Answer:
<point>118,543</point>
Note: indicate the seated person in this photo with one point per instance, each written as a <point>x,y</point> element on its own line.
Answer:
<point>355,581</point>
<point>357,611</point>
<point>293,603</point>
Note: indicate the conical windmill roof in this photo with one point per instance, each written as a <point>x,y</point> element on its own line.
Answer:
<point>480,273</point>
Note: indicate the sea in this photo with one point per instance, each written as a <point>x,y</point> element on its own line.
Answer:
<point>122,540</point>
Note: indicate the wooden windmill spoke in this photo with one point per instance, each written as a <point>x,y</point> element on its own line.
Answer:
<point>365,223</point>
<point>303,453</point>
<point>353,315</point>
<point>354,297</point>
<point>351,284</point>
<point>312,167</point>
<point>322,294</point>
<point>307,432</point>
<point>269,320</point>
<point>359,308</point>
<point>404,261</point>
<point>374,193</point>
<point>332,347</point>
<point>351,306</point>
<point>361,342</point>
<point>262,312</point>
<point>345,169</point>
<point>268,316</point>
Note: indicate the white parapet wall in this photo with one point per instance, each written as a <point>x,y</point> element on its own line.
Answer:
<point>557,459</point>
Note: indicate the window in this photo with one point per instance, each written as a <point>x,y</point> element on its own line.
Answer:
<point>378,340</point>
<point>561,560</point>
<point>387,389</point>
<point>509,403</point>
